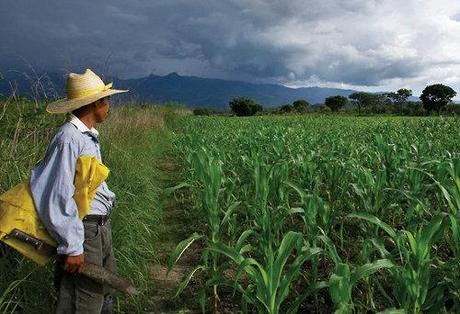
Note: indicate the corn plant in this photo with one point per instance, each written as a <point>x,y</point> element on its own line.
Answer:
<point>316,213</point>
<point>344,277</point>
<point>306,174</point>
<point>451,193</point>
<point>317,220</point>
<point>371,189</point>
<point>413,261</point>
<point>266,214</point>
<point>209,174</point>
<point>272,274</point>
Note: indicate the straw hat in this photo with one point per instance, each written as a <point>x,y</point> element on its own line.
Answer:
<point>82,89</point>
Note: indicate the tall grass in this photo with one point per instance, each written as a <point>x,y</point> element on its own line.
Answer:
<point>133,140</point>
<point>24,133</point>
<point>133,143</point>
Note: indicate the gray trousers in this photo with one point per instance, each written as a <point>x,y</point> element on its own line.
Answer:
<point>81,295</point>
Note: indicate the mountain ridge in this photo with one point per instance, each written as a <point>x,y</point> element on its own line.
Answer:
<point>216,93</point>
<point>192,91</point>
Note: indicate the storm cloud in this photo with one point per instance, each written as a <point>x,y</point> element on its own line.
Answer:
<point>372,45</point>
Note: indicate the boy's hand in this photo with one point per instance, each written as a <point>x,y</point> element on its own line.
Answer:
<point>72,264</point>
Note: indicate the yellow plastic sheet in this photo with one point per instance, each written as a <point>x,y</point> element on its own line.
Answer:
<point>17,210</point>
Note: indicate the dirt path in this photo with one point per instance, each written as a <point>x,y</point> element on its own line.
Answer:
<point>177,225</point>
<point>180,220</point>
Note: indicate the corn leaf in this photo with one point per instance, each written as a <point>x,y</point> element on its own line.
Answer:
<point>186,281</point>
<point>371,218</point>
<point>370,268</point>
<point>181,248</point>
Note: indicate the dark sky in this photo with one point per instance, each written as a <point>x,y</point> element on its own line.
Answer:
<point>367,44</point>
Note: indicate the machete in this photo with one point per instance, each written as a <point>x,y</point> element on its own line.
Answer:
<point>93,271</point>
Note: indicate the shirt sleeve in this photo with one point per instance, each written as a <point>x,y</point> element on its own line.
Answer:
<point>52,188</point>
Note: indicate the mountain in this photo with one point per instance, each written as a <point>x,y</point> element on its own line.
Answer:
<point>188,90</point>
<point>36,85</point>
<point>216,93</point>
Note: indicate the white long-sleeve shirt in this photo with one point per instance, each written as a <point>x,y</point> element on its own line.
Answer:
<point>52,187</point>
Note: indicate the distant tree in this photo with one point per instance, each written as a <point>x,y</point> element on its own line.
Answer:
<point>374,103</point>
<point>323,109</point>
<point>301,105</point>
<point>201,112</point>
<point>244,106</point>
<point>286,109</point>
<point>414,108</point>
<point>435,97</point>
<point>453,109</point>
<point>400,97</point>
<point>336,102</point>
<point>362,99</point>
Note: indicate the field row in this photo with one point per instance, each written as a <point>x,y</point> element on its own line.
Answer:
<point>326,214</point>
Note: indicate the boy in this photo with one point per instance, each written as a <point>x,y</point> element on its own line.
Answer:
<point>51,183</point>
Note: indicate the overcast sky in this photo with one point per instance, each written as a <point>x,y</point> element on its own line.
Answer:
<point>363,44</point>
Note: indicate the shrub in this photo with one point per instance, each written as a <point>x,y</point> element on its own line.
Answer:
<point>452,109</point>
<point>414,108</point>
<point>201,112</point>
<point>286,109</point>
<point>301,106</point>
<point>244,106</point>
<point>336,102</point>
<point>324,109</point>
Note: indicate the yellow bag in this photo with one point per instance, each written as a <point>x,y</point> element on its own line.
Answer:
<point>17,209</point>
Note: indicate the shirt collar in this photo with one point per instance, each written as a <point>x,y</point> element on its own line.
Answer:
<point>82,127</point>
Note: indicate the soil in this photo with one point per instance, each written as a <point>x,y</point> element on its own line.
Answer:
<point>177,225</point>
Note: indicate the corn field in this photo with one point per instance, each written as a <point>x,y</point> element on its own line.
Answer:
<point>324,214</point>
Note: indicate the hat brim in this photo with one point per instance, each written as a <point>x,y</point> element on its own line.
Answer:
<point>67,105</point>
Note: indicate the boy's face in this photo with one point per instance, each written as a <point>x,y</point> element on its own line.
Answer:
<point>102,109</point>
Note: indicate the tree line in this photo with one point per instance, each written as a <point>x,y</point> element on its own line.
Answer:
<point>435,99</point>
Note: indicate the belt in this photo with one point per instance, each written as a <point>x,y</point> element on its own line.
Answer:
<point>100,219</point>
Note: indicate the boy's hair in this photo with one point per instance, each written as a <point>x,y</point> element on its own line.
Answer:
<point>79,111</point>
